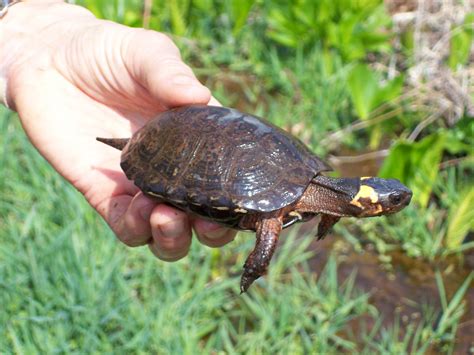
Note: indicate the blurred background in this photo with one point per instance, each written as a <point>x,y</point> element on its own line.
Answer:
<point>375,88</point>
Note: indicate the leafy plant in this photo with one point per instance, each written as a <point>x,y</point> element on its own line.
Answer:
<point>352,28</point>
<point>416,164</point>
<point>461,218</point>
<point>240,13</point>
<point>461,42</point>
<point>123,11</point>
<point>368,91</point>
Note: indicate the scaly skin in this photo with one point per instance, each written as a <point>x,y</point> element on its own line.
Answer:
<point>332,198</point>
<point>257,262</point>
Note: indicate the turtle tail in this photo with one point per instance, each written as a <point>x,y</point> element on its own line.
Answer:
<point>117,143</point>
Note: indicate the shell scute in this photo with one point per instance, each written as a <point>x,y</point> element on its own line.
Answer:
<point>218,160</point>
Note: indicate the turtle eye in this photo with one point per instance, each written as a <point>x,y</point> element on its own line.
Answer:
<point>395,198</point>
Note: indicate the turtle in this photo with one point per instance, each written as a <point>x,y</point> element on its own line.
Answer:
<point>243,172</point>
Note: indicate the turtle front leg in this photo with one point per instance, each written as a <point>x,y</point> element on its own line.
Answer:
<point>257,262</point>
<point>326,223</point>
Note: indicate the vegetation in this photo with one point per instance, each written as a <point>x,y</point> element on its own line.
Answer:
<point>339,74</point>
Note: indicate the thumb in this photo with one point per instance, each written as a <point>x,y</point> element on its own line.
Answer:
<point>155,62</point>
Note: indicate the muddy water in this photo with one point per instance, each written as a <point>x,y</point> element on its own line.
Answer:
<point>403,289</point>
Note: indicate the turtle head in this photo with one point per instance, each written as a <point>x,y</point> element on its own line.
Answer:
<point>377,197</point>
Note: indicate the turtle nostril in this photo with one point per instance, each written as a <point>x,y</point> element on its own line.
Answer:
<point>395,198</point>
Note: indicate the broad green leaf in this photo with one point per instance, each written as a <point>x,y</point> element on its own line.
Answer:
<point>397,164</point>
<point>461,219</point>
<point>408,41</point>
<point>460,48</point>
<point>461,43</point>
<point>362,86</point>
<point>425,159</point>
<point>458,141</point>
<point>366,91</point>
<point>375,137</point>
<point>204,5</point>
<point>240,11</point>
<point>305,16</point>
<point>353,50</point>
<point>328,61</point>
<point>416,164</point>
<point>282,38</point>
<point>389,91</point>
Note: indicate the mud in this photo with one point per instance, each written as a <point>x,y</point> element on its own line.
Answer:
<point>403,287</point>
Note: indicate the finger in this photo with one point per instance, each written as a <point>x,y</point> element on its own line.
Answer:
<point>212,234</point>
<point>213,102</point>
<point>133,227</point>
<point>171,233</point>
<point>155,61</point>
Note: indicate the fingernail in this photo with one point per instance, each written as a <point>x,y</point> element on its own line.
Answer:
<point>172,229</point>
<point>185,80</point>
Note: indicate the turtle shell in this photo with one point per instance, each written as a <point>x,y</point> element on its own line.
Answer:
<point>218,162</point>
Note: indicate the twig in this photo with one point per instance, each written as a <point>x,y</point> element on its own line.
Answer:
<point>423,124</point>
<point>358,158</point>
<point>358,125</point>
<point>147,4</point>
<point>374,117</point>
<point>387,104</point>
<point>453,162</point>
<point>442,42</point>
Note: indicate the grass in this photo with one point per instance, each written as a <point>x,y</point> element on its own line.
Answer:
<point>67,286</point>
<point>434,331</point>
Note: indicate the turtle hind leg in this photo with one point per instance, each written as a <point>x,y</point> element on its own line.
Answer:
<point>325,225</point>
<point>257,262</point>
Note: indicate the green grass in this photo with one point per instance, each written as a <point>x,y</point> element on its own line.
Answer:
<point>66,284</point>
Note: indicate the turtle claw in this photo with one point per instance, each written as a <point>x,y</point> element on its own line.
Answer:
<point>247,279</point>
<point>257,262</point>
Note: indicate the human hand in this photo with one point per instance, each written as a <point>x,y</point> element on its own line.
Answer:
<point>71,78</point>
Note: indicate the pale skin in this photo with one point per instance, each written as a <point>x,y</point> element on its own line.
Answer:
<point>71,78</point>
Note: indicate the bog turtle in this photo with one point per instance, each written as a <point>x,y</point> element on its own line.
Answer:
<point>245,173</point>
